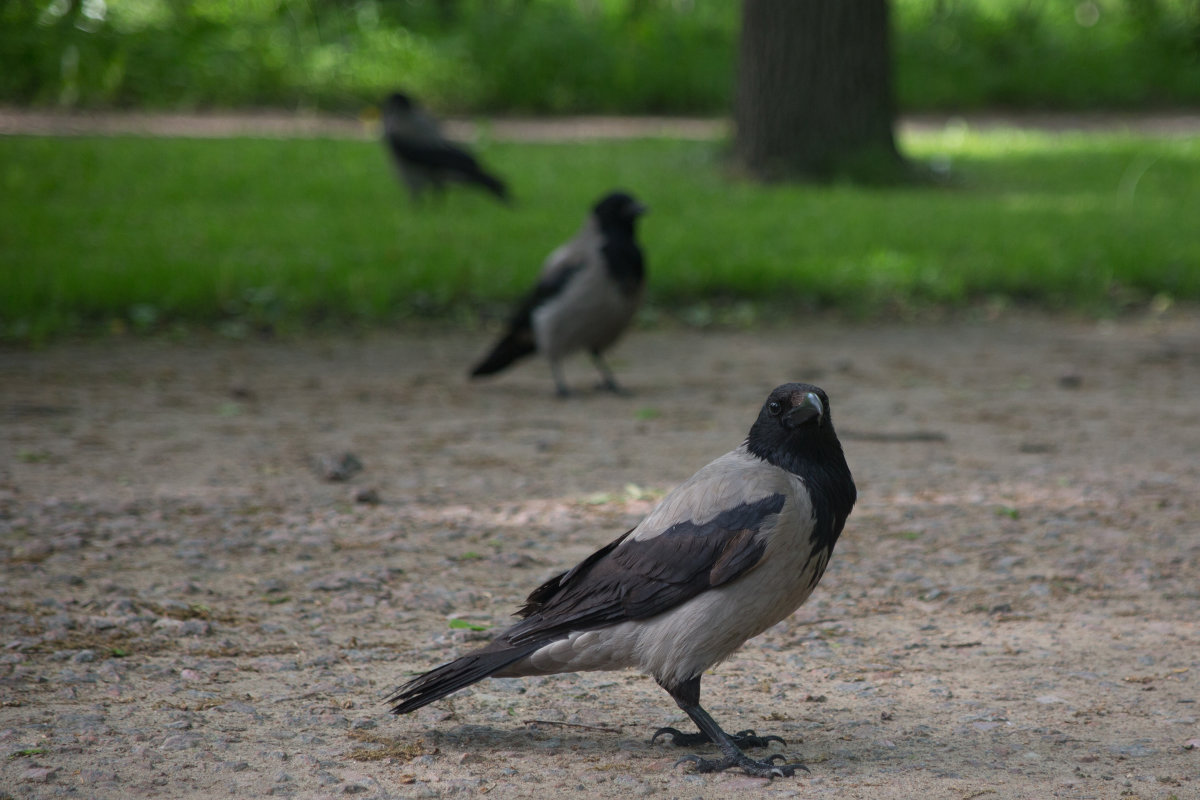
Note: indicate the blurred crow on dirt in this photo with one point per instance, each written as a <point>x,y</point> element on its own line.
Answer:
<point>587,294</point>
<point>731,552</point>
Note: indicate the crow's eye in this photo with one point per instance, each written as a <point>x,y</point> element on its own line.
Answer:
<point>774,407</point>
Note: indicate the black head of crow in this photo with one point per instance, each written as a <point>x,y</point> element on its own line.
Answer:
<point>399,101</point>
<point>732,551</point>
<point>618,211</point>
<point>794,431</point>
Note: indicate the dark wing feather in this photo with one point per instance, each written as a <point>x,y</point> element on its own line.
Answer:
<point>446,158</point>
<point>639,578</point>
<point>435,156</point>
<point>548,287</point>
<point>518,341</point>
<point>551,285</point>
<point>449,678</point>
<point>540,596</point>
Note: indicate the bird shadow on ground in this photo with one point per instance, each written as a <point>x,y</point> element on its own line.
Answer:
<point>530,735</point>
<point>465,744</point>
<point>534,737</point>
<point>821,753</point>
<point>529,393</point>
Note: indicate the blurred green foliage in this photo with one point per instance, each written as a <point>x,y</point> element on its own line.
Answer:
<point>558,56</point>
<point>1064,55</point>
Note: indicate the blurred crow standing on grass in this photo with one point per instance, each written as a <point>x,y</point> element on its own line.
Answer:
<point>585,298</point>
<point>425,157</point>
<point>732,551</point>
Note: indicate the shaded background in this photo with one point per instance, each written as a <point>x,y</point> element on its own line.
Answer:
<point>566,56</point>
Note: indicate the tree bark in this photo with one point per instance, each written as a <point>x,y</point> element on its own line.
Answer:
<point>814,94</point>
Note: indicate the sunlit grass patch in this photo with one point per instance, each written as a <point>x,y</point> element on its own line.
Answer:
<point>145,235</point>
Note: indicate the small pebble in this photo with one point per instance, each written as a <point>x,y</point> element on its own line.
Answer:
<point>337,468</point>
<point>367,496</point>
<point>39,774</point>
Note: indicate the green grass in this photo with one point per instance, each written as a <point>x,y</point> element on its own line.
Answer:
<point>238,235</point>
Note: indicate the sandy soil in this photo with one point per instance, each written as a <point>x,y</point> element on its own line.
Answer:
<point>273,124</point>
<point>190,608</point>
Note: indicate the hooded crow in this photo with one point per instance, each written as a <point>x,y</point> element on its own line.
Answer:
<point>424,156</point>
<point>735,549</point>
<point>586,296</point>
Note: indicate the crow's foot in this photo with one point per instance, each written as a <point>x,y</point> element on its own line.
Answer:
<point>746,738</point>
<point>767,768</point>
<point>679,738</point>
<point>614,387</point>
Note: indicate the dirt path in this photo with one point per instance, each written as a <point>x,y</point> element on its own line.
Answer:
<point>273,124</point>
<point>188,609</point>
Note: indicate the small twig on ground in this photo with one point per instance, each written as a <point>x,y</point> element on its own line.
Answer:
<point>603,728</point>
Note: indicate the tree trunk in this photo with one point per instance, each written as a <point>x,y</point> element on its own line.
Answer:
<point>814,95</point>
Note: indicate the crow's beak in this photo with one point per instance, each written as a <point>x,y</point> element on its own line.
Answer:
<point>637,209</point>
<point>810,406</point>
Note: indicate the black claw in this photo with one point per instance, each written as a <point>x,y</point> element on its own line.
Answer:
<point>757,769</point>
<point>748,738</point>
<point>614,387</point>
<point>681,739</point>
<point>743,739</point>
<point>791,768</point>
<point>675,734</point>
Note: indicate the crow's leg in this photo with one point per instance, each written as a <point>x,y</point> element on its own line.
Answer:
<point>560,385</point>
<point>414,182</point>
<point>687,697</point>
<point>607,381</point>
<point>439,188</point>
